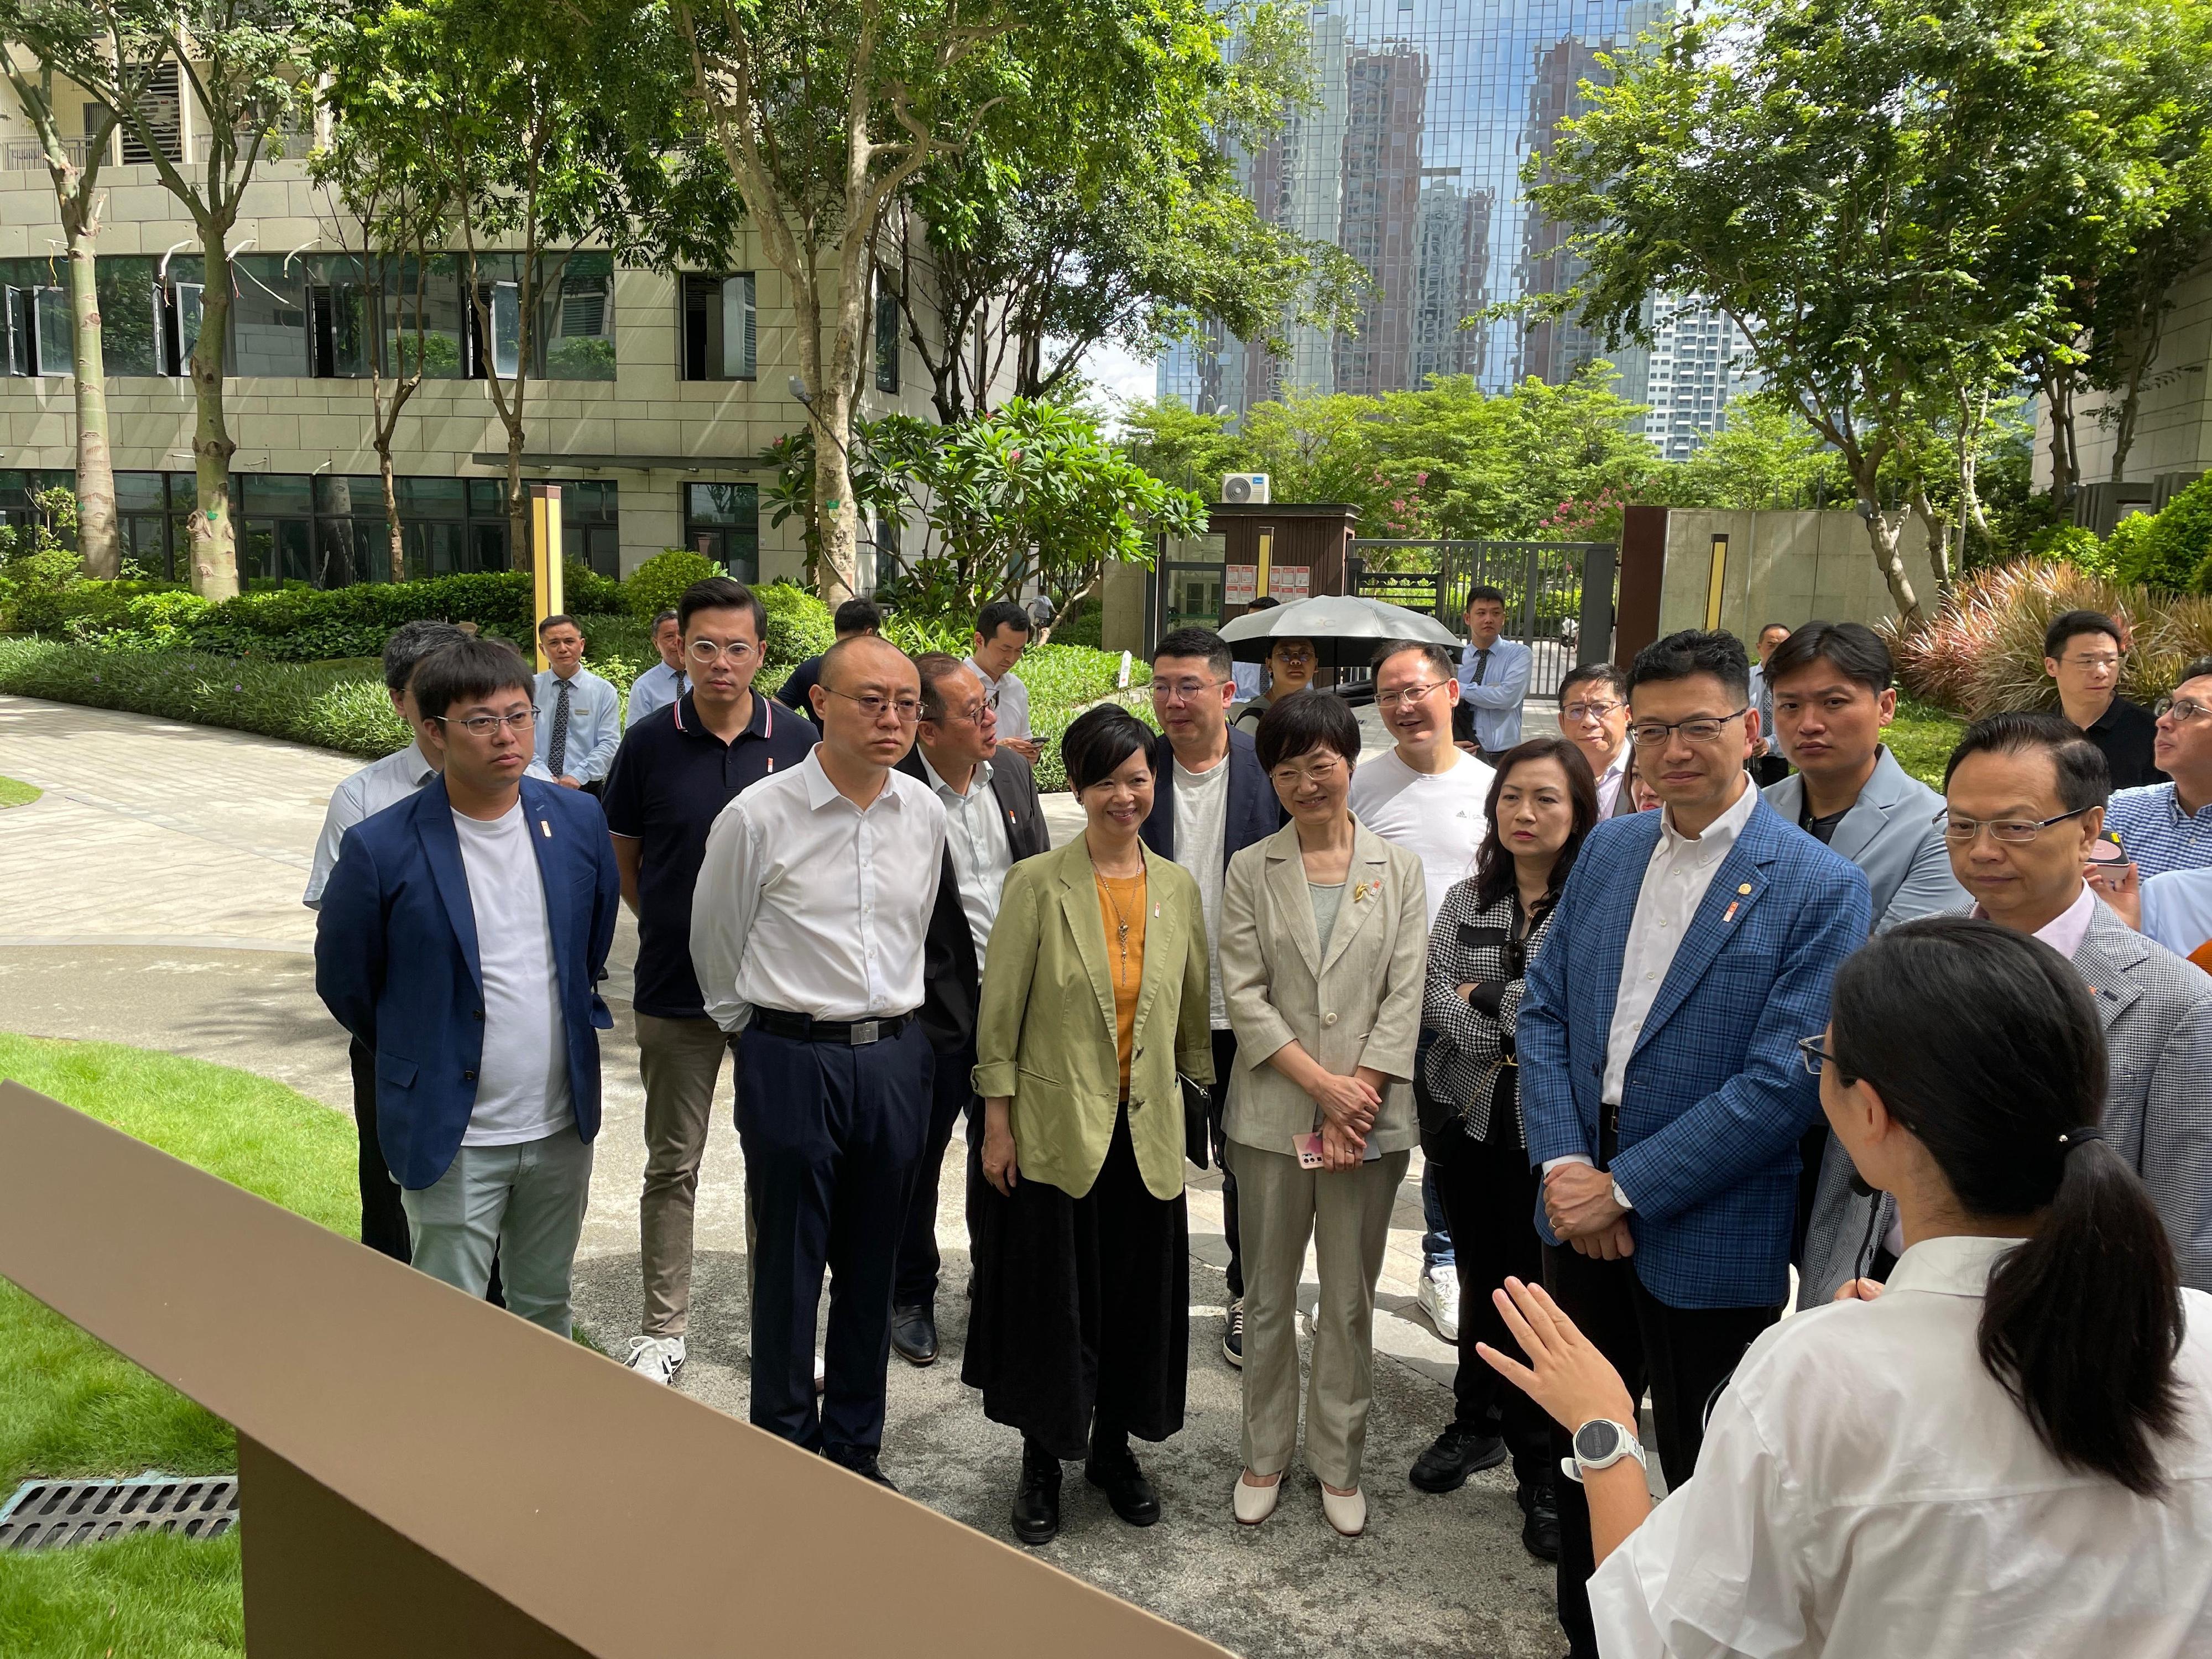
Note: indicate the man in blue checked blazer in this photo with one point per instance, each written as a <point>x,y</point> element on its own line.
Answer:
<point>1662,1087</point>
<point>461,940</point>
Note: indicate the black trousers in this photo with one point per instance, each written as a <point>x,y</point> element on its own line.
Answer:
<point>383,1220</point>
<point>920,1262</point>
<point>1682,1354</point>
<point>1224,1061</point>
<point>1489,1194</point>
<point>831,1136</point>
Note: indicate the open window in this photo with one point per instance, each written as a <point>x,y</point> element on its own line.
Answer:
<point>721,328</point>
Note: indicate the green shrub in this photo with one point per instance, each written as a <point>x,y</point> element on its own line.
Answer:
<point>288,624</point>
<point>799,625</point>
<point>1084,627</point>
<point>916,635</point>
<point>2070,544</point>
<point>585,592</point>
<point>2167,552</point>
<point>659,583</point>
<point>2123,548</point>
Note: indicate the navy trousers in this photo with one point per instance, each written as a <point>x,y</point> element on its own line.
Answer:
<point>832,1135</point>
<point>920,1262</point>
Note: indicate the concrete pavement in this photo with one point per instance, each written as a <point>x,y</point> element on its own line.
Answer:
<point>153,899</point>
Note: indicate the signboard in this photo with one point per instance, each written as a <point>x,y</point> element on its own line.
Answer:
<point>1291,581</point>
<point>1242,584</point>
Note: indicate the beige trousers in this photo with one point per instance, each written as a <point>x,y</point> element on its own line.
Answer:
<point>1346,1214</point>
<point>680,1061</point>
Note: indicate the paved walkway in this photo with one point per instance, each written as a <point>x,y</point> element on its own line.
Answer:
<point>154,899</point>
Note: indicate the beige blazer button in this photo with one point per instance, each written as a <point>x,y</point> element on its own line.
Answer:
<point>1328,1019</point>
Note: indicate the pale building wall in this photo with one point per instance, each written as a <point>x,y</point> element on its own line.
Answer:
<point>1789,567</point>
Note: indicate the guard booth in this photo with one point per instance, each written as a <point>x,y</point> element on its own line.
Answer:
<point>1287,551</point>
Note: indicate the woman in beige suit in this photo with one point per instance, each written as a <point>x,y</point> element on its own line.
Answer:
<point>1324,929</point>
<point>1095,993</point>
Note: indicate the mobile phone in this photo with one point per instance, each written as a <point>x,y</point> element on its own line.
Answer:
<point>2107,849</point>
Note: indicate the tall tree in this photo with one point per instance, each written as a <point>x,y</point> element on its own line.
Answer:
<point>238,62</point>
<point>40,31</point>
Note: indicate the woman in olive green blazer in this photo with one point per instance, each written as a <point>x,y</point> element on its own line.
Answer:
<point>1095,993</point>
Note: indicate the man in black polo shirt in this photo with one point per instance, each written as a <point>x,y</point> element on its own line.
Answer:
<point>675,772</point>
<point>2082,650</point>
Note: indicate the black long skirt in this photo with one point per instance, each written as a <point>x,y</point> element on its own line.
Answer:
<point>1082,1309</point>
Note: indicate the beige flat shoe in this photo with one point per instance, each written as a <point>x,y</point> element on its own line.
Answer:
<point>1347,1513</point>
<point>1255,1504</point>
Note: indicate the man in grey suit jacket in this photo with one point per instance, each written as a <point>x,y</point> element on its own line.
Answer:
<point>2037,773</point>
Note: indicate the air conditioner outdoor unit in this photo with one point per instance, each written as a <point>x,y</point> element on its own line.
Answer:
<point>1242,489</point>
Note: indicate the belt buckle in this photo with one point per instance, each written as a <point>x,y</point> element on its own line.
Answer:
<point>862,1031</point>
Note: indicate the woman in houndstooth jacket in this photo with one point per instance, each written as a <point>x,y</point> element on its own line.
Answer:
<point>1542,804</point>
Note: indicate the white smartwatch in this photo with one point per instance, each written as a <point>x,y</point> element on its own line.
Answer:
<point>1599,1444</point>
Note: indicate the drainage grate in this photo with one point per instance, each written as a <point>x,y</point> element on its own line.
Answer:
<point>46,1515</point>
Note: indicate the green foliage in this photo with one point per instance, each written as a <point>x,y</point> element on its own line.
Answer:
<point>2167,552</point>
<point>2070,543</point>
<point>2121,550</point>
<point>584,592</point>
<point>914,634</point>
<point>1922,737</point>
<point>791,463</point>
<point>799,625</point>
<point>1029,492</point>
<point>658,584</point>
<point>14,792</point>
<point>1765,458</point>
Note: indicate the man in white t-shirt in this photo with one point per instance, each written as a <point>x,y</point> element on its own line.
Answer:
<point>460,937</point>
<point>1432,798</point>
<point>1210,801</point>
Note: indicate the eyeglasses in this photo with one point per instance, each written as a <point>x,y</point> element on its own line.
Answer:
<point>908,709</point>
<point>1587,711</point>
<point>704,651</point>
<point>482,726</point>
<point>1184,690</point>
<point>1295,656</point>
<point>1406,696</point>
<point>1964,831</point>
<point>1321,771</point>
<point>2092,662</point>
<point>1698,728</point>
<point>971,715</point>
<point>1814,1052</point>
<point>2183,709</point>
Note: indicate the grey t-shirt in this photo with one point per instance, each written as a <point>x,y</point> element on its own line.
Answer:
<point>1327,900</point>
<point>522,1082</point>
<point>1202,832</point>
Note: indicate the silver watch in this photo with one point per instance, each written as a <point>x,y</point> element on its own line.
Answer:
<point>1599,1444</point>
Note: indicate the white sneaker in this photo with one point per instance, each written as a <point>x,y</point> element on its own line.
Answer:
<point>1439,1297</point>
<point>657,1359</point>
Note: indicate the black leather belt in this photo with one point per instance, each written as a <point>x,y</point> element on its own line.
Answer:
<point>854,1033</point>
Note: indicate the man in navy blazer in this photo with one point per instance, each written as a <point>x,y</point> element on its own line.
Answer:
<point>461,940</point>
<point>1210,801</point>
<point>1662,1090</point>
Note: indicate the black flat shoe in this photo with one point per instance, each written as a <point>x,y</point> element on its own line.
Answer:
<point>1455,1454</point>
<point>861,1461</point>
<point>914,1334</point>
<point>1116,1475</point>
<point>1540,1527</point>
<point>1037,1499</point>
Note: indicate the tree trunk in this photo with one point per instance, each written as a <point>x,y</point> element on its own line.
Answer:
<point>1939,538</point>
<point>518,504</point>
<point>98,537</point>
<point>213,528</point>
<point>397,553</point>
<point>1882,535</point>
<point>838,577</point>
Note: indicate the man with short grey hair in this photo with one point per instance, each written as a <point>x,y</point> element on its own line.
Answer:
<point>662,683</point>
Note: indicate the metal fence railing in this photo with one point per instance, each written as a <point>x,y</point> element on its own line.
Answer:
<point>1558,595</point>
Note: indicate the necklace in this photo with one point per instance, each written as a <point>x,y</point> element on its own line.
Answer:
<point>1121,926</point>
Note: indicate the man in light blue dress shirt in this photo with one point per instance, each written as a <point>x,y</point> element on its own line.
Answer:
<point>1493,675</point>
<point>579,714</point>
<point>662,683</point>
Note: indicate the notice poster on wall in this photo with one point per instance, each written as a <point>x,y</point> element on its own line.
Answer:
<point>1241,584</point>
<point>1291,581</point>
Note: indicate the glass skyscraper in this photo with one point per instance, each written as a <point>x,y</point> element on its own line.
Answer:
<point>1410,160</point>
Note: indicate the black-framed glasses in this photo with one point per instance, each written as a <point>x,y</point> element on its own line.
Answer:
<point>2184,709</point>
<point>1964,831</point>
<point>908,709</point>
<point>1698,728</point>
<point>1588,711</point>
<point>1184,691</point>
<point>482,726</point>
<point>1814,1052</point>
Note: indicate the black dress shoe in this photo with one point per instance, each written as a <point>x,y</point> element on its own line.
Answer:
<point>1539,1526</point>
<point>914,1334</point>
<point>1036,1500</point>
<point>1116,1475</point>
<point>1457,1453</point>
<point>861,1461</point>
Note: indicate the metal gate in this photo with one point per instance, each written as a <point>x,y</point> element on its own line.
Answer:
<point>1558,595</point>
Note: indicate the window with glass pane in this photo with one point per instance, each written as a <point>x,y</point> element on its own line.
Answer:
<point>887,334</point>
<point>341,325</point>
<point>722,522</point>
<point>424,315</point>
<point>268,316</point>
<point>721,328</point>
<point>578,327</point>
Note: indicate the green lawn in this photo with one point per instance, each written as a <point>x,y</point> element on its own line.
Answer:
<point>1922,737</point>
<point>13,793</point>
<point>69,1405</point>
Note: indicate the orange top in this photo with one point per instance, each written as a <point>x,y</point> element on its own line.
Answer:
<point>1122,904</point>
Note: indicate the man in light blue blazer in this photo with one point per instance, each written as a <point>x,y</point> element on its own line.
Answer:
<point>461,938</point>
<point>1662,1087</point>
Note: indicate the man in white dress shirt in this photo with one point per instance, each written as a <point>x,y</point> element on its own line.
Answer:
<point>662,683</point>
<point>1002,634</point>
<point>808,925</point>
<point>579,713</point>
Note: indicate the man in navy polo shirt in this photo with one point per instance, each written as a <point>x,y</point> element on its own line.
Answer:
<point>675,771</point>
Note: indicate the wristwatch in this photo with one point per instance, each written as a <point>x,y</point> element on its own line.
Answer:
<point>1599,1444</point>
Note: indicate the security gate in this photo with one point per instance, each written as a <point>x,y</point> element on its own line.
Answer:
<point>1558,595</point>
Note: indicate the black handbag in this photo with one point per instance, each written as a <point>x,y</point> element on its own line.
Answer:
<point>1197,1121</point>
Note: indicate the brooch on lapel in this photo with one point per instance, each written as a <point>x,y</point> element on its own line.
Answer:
<point>1730,914</point>
<point>545,829</point>
<point>1364,891</point>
